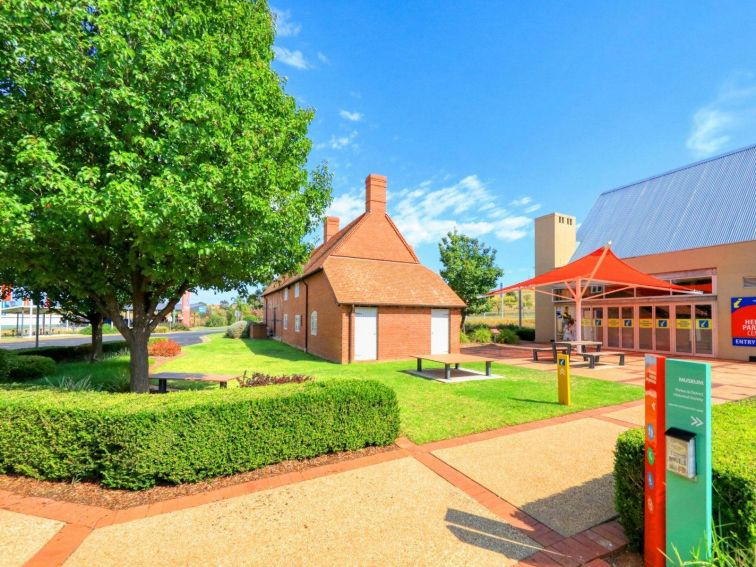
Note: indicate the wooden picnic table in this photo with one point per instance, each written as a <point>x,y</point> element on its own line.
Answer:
<point>456,359</point>
<point>163,377</point>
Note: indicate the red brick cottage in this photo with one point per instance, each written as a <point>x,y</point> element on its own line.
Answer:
<point>364,295</point>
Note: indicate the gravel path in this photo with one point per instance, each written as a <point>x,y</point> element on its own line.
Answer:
<point>21,536</point>
<point>560,475</point>
<point>397,512</point>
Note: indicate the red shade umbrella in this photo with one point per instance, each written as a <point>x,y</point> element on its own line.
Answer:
<point>601,266</point>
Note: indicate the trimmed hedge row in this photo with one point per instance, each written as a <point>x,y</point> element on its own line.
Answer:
<point>733,474</point>
<point>72,353</point>
<point>135,441</point>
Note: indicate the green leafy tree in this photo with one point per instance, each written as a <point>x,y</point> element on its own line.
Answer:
<point>469,267</point>
<point>148,148</point>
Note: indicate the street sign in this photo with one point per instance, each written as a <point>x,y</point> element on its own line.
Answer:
<point>654,475</point>
<point>563,378</point>
<point>688,460</point>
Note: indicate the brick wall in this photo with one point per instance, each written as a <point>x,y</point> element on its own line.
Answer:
<point>405,331</point>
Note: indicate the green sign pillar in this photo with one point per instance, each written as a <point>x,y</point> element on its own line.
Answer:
<point>688,460</point>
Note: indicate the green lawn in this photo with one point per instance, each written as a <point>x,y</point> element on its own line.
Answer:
<point>429,410</point>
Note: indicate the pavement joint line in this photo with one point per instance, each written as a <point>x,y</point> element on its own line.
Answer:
<point>60,547</point>
<point>616,421</point>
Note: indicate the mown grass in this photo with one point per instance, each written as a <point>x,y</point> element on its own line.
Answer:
<point>429,410</point>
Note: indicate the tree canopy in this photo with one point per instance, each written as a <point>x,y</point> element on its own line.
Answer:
<point>469,267</point>
<point>147,148</point>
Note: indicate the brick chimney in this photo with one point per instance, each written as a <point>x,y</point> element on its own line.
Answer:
<point>375,193</point>
<point>330,228</point>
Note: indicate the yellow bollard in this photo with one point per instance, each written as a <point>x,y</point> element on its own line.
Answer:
<point>563,377</point>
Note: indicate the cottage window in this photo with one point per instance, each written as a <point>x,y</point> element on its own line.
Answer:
<point>286,321</point>
<point>314,323</point>
<point>286,294</point>
<point>297,323</point>
<point>296,289</point>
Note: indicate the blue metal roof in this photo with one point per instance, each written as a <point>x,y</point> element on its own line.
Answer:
<point>706,203</point>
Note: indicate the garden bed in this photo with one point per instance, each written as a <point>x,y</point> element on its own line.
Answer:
<point>94,494</point>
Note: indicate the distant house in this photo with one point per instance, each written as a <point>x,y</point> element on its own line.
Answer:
<point>364,295</point>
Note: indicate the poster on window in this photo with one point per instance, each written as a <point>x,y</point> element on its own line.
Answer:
<point>743,320</point>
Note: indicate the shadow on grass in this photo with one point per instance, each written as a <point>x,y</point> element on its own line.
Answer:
<point>281,351</point>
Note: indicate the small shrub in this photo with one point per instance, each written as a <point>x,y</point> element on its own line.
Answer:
<point>481,335</point>
<point>216,319</point>
<point>733,475</point>
<point>238,330</point>
<point>162,329</point>
<point>4,364</point>
<point>506,336</point>
<point>72,353</point>
<point>135,441</point>
<point>262,379</point>
<point>463,338</point>
<point>30,367</point>
<point>164,347</point>
<point>71,384</point>
<point>180,327</point>
<point>106,330</point>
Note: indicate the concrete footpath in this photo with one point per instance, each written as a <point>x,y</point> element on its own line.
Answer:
<point>536,494</point>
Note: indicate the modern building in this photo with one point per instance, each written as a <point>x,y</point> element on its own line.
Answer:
<point>364,295</point>
<point>694,226</point>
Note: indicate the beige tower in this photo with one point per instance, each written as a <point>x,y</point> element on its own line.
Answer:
<point>555,242</point>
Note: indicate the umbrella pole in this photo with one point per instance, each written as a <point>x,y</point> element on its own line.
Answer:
<point>578,318</point>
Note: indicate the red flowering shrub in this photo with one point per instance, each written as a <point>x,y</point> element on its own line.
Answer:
<point>261,379</point>
<point>164,347</point>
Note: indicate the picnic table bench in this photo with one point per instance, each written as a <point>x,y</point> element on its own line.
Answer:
<point>593,357</point>
<point>456,359</point>
<point>163,377</point>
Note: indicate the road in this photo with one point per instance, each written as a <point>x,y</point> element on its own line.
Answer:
<point>184,338</point>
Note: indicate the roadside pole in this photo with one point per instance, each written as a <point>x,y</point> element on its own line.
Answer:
<point>563,378</point>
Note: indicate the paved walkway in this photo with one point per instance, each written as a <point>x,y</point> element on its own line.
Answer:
<point>730,379</point>
<point>184,338</point>
<point>538,493</point>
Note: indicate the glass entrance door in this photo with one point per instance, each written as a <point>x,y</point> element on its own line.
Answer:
<point>598,324</point>
<point>683,329</point>
<point>627,333</point>
<point>704,331</point>
<point>646,327</point>
<point>661,328</point>
<point>613,327</point>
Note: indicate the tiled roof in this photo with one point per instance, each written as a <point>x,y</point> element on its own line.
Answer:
<point>707,203</point>
<point>361,281</point>
<point>318,256</point>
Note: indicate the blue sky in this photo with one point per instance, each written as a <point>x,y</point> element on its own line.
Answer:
<point>485,115</point>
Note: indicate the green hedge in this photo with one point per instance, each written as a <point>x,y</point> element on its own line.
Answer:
<point>5,359</point>
<point>72,353</point>
<point>733,474</point>
<point>135,441</point>
<point>30,367</point>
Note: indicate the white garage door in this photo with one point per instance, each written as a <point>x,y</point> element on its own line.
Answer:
<point>365,333</point>
<point>439,331</point>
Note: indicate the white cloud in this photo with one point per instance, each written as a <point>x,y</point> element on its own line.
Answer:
<point>285,27</point>
<point>521,202</point>
<point>293,58</point>
<point>351,116</point>
<point>424,214</point>
<point>729,118</point>
<point>532,208</point>
<point>323,58</point>
<point>347,207</point>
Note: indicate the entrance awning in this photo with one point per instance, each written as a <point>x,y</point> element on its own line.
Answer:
<point>600,267</point>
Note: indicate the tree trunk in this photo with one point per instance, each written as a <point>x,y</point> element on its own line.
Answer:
<point>139,363</point>
<point>462,321</point>
<point>95,320</point>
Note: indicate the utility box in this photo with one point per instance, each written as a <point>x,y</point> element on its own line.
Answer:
<point>681,452</point>
<point>258,331</point>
